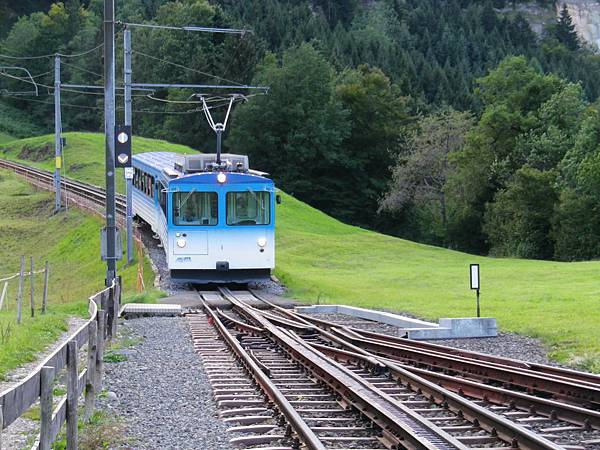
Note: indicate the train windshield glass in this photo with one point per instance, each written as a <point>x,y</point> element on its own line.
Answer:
<point>248,208</point>
<point>195,208</point>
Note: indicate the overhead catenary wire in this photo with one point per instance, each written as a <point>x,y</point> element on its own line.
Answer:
<point>66,87</point>
<point>52,55</point>
<point>186,68</point>
<point>70,105</point>
<point>83,69</point>
<point>188,28</point>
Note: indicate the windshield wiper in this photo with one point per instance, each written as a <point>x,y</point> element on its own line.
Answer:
<point>182,204</point>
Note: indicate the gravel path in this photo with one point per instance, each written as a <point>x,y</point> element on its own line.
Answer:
<point>161,392</point>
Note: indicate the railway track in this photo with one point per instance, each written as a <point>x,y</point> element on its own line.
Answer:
<point>577,388</point>
<point>368,401</point>
<point>71,190</point>
<point>572,426</point>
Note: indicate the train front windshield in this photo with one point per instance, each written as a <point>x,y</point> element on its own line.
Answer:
<point>195,208</point>
<point>248,208</point>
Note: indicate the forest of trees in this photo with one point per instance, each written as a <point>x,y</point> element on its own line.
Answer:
<point>445,122</point>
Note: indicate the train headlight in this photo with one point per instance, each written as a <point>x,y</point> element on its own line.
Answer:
<point>181,242</point>
<point>221,178</point>
<point>262,242</point>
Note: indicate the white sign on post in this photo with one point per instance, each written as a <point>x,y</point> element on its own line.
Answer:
<point>475,276</point>
<point>128,173</point>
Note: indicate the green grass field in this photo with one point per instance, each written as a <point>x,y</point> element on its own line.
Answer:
<point>321,258</point>
<point>82,154</point>
<point>70,242</point>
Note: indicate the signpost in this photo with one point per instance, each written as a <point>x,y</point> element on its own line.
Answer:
<point>475,283</point>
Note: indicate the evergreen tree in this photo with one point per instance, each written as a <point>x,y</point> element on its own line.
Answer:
<point>565,30</point>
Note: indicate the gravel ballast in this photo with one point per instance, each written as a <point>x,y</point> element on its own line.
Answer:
<point>161,392</point>
<point>507,345</point>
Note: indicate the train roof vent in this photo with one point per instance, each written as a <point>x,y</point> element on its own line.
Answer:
<point>207,162</point>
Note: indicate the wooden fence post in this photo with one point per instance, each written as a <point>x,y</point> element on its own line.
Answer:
<point>20,292</point>
<point>3,296</point>
<point>46,401</point>
<point>31,284</point>
<point>90,379</point>
<point>45,295</point>
<point>100,352</point>
<point>72,394</point>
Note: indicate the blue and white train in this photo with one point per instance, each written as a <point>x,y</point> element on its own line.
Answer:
<point>215,220</point>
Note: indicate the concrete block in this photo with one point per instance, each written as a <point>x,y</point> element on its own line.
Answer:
<point>448,328</point>
<point>148,310</point>
<point>317,309</point>
<point>368,314</point>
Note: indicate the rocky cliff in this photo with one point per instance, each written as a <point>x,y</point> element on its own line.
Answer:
<point>586,18</point>
<point>585,15</point>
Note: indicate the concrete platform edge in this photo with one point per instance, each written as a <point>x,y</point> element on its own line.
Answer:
<point>448,328</point>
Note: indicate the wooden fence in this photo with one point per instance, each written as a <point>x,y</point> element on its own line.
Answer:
<point>39,385</point>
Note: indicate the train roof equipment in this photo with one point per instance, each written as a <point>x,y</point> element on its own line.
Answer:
<point>174,166</point>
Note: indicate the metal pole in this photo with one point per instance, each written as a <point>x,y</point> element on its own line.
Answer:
<point>219,130</point>
<point>20,292</point>
<point>45,295</point>
<point>57,132</point>
<point>478,310</point>
<point>109,132</point>
<point>128,105</point>
<point>32,287</point>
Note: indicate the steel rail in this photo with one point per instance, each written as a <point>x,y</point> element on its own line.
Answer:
<point>492,394</point>
<point>515,434</point>
<point>534,382</point>
<point>541,369</point>
<point>453,398</point>
<point>501,396</point>
<point>240,326</point>
<point>400,425</point>
<point>557,386</point>
<point>303,431</point>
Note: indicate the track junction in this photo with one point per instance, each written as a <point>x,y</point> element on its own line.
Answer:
<point>283,380</point>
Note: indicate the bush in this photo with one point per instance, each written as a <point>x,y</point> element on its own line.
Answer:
<point>518,223</point>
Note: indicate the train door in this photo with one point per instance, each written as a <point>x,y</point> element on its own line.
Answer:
<point>161,210</point>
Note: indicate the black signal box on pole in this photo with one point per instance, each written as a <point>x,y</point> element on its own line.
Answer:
<point>123,146</point>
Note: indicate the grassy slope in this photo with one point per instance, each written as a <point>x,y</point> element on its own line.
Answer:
<point>70,243</point>
<point>82,154</point>
<point>319,257</point>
